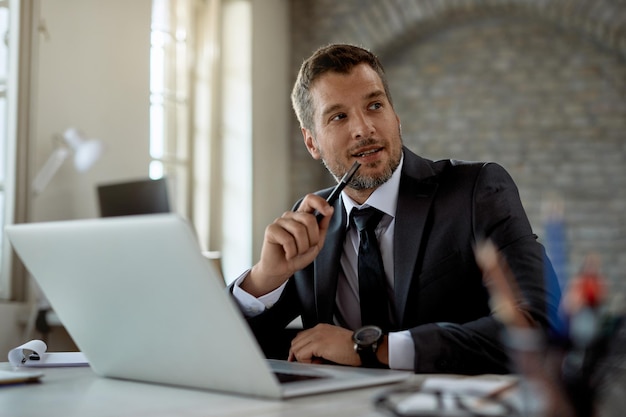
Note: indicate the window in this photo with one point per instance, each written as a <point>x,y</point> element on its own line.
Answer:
<point>170,101</point>
<point>183,61</point>
<point>9,13</point>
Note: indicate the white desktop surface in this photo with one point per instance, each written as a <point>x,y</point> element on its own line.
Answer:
<point>77,391</point>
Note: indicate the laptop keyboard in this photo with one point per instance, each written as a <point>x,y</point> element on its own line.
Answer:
<point>288,377</point>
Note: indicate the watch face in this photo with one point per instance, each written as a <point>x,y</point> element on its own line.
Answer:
<point>367,335</point>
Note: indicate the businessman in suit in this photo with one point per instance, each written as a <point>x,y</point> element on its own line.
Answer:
<point>438,317</point>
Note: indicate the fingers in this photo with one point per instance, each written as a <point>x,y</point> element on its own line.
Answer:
<point>303,349</point>
<point>296,232</point>
<point>291,243</point>
<point>313,203</point>
<point>324,342</point>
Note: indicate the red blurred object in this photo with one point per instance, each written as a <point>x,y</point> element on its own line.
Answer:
<point>587,289</point>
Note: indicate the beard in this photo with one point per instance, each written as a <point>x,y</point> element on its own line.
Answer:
<point>363,181</point>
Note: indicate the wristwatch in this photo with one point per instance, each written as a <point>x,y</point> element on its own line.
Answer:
<point>366,340</point>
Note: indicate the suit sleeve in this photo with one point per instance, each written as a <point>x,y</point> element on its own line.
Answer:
<point>476,346</point>
<point>269,327</point>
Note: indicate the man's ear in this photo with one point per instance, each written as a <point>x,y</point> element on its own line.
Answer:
<point>310,143</point>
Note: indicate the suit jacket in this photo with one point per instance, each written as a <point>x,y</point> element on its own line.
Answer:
<point>443,209</point>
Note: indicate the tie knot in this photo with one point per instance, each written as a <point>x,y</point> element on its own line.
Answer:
<point>366,218</point>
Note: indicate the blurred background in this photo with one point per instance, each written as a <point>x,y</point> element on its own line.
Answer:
<point>536,86</point>
<point>197,91</point>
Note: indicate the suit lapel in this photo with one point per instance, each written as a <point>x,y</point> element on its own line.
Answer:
<point>327,265</point>
<point>414,202</point>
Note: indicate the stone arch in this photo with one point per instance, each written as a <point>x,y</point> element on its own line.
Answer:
<point>383,25</point>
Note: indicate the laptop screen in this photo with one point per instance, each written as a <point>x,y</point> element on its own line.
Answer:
<point>144,196</point>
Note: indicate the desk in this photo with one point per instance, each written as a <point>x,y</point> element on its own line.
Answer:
<point>74,392</point>
<point>78,392</point>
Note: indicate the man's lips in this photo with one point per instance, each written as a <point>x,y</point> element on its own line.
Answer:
<point>366,152</point>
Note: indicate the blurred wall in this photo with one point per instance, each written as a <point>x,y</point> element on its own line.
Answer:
<point>536,86</point>
<point>92,75</point>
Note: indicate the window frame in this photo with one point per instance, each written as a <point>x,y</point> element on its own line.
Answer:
<point>10,91</point>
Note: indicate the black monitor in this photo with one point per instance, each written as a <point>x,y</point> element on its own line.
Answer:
<point>145,196</point>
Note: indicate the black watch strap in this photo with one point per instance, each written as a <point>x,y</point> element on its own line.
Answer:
<point>369,358</point>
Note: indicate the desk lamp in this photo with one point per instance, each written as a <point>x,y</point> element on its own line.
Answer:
<point>86,153</point>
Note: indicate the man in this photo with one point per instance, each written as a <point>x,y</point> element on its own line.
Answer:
<point>439,318</point>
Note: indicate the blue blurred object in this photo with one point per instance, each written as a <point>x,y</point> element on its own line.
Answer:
<point>556,246</point>
<point>556,266</point>
<point>557,320</point>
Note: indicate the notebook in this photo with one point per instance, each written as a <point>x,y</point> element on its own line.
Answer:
<point>142,303</point>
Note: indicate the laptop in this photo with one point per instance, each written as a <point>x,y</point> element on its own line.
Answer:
<point>142,303</point>
<point>143,196</point>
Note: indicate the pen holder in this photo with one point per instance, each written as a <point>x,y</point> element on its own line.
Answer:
<point>569,379</point>
<point>604,370</point>
<point>541,391</point>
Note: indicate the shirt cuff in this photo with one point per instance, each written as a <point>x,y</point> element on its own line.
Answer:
<point>401,351</point>
<point>250,305</point>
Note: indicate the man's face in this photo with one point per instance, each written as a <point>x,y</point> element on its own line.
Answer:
<point>354,121</point>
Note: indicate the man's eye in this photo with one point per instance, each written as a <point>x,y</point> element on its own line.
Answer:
<point>376,106</point>
<point>338,116</point>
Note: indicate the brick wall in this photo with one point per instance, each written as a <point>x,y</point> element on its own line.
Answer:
<point>537,86</point>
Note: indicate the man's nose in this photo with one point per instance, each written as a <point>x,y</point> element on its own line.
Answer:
<point>362,126</point>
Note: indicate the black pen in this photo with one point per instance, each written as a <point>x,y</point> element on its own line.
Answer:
<point>338,188</point>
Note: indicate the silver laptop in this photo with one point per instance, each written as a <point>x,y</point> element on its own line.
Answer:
<point>142,303</point>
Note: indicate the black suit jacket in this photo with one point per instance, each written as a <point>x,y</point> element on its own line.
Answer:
<point>443,208</point>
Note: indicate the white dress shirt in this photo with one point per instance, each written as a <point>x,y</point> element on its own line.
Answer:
<point>384,198</point>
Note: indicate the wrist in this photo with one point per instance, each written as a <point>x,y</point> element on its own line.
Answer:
<point>368,340</point>
<point>257,284</point>
<point>382,354</point>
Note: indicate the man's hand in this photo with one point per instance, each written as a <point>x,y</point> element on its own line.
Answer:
<point>324,342</point>
<point>291,242</point>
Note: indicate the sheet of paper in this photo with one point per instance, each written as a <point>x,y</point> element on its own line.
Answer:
<point>33,354</point>
<point>479,386</point>
<point>19,377</point>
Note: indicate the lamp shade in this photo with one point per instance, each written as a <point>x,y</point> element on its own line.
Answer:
<point>86,152</point>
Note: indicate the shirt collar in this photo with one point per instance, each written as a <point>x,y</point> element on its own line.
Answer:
<point>384,198</point>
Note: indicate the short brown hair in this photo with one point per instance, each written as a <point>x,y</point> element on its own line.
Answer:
<point>339,58</point>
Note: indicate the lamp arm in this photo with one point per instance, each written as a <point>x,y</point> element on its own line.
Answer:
<point>49,169</point>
